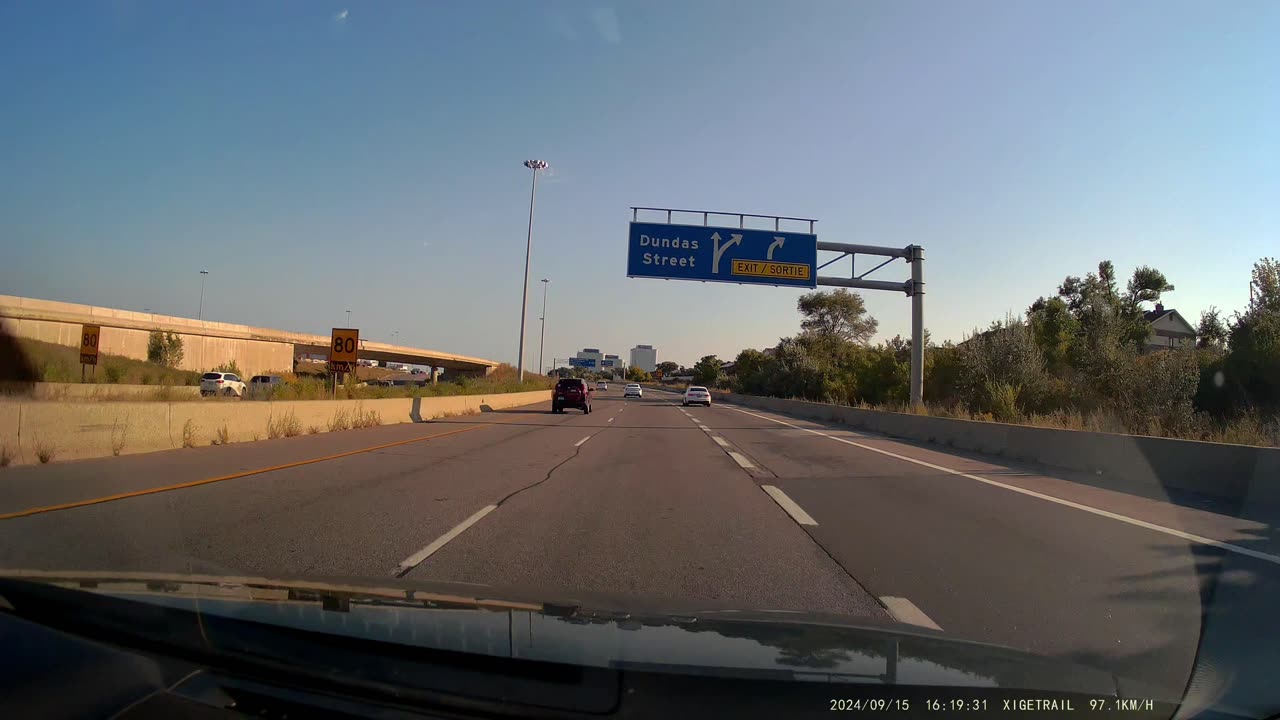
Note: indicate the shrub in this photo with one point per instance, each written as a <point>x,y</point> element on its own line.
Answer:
<point>1002,401</point>
<point>113,372</point>
<point>229,367</point>
<point>165,348</point>
<point>221,435</point>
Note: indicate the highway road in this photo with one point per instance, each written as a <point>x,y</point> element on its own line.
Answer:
<point>707,507</point>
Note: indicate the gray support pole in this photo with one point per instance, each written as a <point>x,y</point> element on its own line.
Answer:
<point>917,325</point>
<point>524,289</point>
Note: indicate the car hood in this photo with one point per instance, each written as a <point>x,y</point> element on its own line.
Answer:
<point>597,631</point>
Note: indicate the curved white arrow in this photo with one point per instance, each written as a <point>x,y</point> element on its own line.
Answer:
<point>734,239</point>
<point>777,243</point>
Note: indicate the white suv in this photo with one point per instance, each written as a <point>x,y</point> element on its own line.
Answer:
<point>697,395</point>
<point>226,384</point>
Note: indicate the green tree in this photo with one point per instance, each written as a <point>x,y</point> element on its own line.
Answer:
<point>1104,313</point>
<point>635,374</point>
<point>707,370</point>
<point>1212,333</point>
<point>749,362</point>
<point>165,348</point>
<point>1055,331</point>
<point>668,367</point>
<point>836,315</point>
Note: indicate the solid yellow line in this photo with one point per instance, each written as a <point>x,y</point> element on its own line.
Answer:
<point>206,481</point>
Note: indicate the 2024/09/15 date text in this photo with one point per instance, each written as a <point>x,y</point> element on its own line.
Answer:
<point>1106,706</point>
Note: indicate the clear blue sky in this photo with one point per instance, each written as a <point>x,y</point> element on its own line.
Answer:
<point>315,162</point>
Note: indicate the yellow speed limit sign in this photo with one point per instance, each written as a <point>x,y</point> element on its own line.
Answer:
<point>89,337</point>
<point>342,350</point>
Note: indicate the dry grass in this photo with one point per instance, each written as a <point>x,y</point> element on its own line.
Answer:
<point>313,429</point>
<point>341,420</point>
<point>221,436</point>
<point>189,429</point>
<point>286,425</point>
<point>61,363</point>
<point>119,433</point>
<point>5,457</point>
<point>45,450</point>
<point>361,418</point>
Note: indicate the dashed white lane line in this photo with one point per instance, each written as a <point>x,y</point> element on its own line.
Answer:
<point>610,419</point>
<point>720,441</point>
<point>903,610</point>
<point>741,460</point>
<point>1032,493</point>
<point>796,512</point>
<point>416,559</point>
<point>579,443</point>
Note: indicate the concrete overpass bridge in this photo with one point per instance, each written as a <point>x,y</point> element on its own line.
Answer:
<point>206,344</point>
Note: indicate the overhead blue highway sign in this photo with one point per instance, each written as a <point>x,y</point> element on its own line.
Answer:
<point>718,254</point>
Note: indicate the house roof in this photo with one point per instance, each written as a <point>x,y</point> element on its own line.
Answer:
<point>1154,315</point>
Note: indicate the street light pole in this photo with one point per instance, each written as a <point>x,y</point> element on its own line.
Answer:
<point>535,166</point>
<point>348,318</point>
<point>200,313</point>
<point>542,338</point>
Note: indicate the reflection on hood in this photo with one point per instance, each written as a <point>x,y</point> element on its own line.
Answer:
<point>792,646</point>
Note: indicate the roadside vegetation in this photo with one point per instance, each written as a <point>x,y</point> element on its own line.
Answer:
<point>1076,360</point>
<point>61,364</point>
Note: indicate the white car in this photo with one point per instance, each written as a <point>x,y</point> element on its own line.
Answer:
<point>602,385</point>
<point>632,390</point>
<point>219,383</point>
<point>697,395</point>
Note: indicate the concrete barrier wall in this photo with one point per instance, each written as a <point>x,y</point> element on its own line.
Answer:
<point>73,430</point>
<point>1234,472</point>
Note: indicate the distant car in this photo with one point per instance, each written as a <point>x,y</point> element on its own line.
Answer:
<point>571,393</point>
<point>262,385</point>
<point>632,390</point>
<point>697,395</point>
<point>602,385</point>
<point>219,383</point>
<point>417,371</point>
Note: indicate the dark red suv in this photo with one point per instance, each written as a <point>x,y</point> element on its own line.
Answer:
<point>571,393</point>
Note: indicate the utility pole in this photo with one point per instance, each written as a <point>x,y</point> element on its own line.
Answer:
<point>535,166</point>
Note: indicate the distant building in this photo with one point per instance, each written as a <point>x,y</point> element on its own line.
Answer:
<point>613,363</point>
<point>1168,329</point>
<point>644,357</point>
<point>591,354</point>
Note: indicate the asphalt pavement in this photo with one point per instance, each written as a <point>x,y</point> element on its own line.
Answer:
<point>701,507</point>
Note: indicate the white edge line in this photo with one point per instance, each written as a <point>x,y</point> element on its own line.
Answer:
<point>579,443</point>
<point>1086,508</point>
<point>416,559</point>
<point>903,610</point>
<point>796,512</point>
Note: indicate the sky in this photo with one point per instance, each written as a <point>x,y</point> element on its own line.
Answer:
<point>321,157</point>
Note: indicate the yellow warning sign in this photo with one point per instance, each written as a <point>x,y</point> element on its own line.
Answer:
<point>768,268</point>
